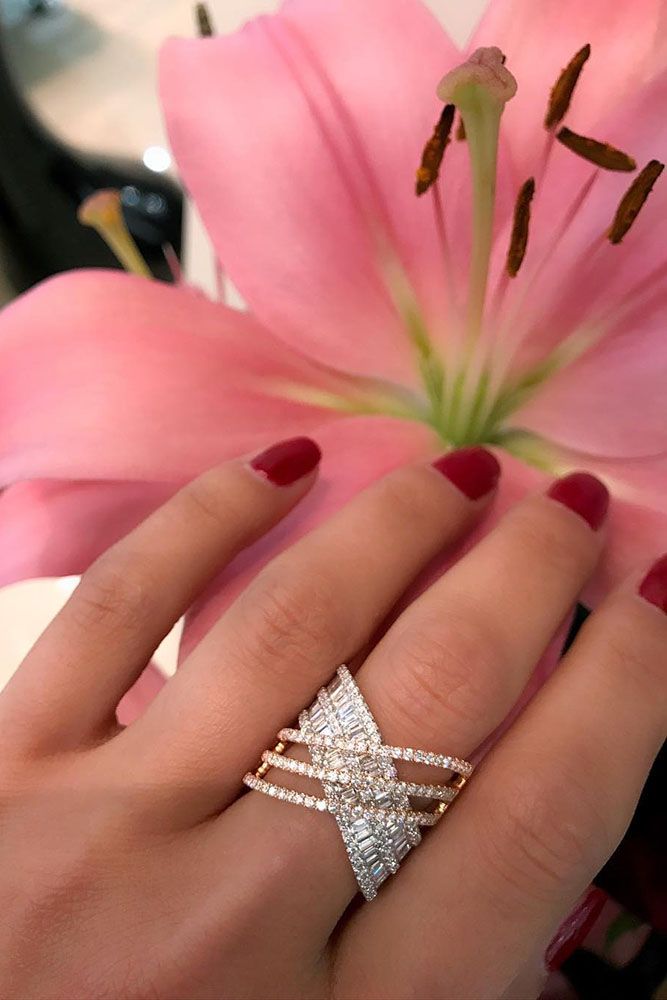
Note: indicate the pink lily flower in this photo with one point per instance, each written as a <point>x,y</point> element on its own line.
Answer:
<point>388,326</point>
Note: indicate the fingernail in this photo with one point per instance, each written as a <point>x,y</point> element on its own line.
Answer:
<point>573,931</point>
<point>474,471</point>
<point>653,587</point>
<point>585,495</point>
<point>283,463</point>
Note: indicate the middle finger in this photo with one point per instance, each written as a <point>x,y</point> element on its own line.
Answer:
<point>446,673</point>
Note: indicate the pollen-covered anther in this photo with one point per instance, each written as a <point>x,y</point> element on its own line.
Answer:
<point>600,153</point>
<point>203,21</point>
<point>519,240</point>
<point>103,212</point>
<point>434,150</point>
<point>633,200</point>
<point>563,89</point>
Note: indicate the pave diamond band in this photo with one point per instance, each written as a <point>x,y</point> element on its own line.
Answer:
<point>362,790</point>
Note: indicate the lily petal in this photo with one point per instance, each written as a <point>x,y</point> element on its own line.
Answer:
<point>601,292</point>
<point>637,529</point>
<point>57,528</point>
<point>611,402</point>
<point>637,520</point>
<point>304,174</point>
<point>355,452</point>
<point>110,376</point>
<point>539,39</point>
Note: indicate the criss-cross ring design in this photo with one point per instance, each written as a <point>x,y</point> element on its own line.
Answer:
<point>362,790</point>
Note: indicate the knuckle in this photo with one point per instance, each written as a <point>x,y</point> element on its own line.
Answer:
<point>541,829</point>
<point>109,598</point>
<point>561,552</point>
<point>408,495</point>
<point>290,617</point>
<point>450,673</point>
<point>206,500</point>
<point>630,649</point>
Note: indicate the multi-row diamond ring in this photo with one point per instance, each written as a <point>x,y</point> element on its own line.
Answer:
<point>362,790</point>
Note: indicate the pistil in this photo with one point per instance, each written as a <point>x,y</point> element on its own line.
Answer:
<point>479,88</point>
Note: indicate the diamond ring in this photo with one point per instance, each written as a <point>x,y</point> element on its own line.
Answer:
<point>362,790</point>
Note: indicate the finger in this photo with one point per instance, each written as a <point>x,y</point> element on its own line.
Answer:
<point>68,687</point>
<point>453,665</point>
<point>315,605</point>
<point>546,809</point>
<point>458,659</point>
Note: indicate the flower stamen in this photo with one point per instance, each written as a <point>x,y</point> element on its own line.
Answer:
<point>102,211</point>
<point>520,228</point>
<point>563,89</point>
<point>600,153</point>
<point>434,150</point>
<point>203,20</point>
<point>633,200</point>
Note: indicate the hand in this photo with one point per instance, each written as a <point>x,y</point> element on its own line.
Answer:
<point>133,864</point>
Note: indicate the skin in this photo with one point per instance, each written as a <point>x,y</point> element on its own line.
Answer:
<point>132,864</point>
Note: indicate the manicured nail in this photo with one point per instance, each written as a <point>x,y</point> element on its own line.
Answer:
<point>653,587</point>
<point>474,471</point>
<point>285,462</point>
<point>573,931</point>
<point>584,494</point>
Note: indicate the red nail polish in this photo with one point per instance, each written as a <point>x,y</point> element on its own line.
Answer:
<point>474,471</point>
<point>287,461</point>
<point>584,494</point>
<point>653,587</point>
<point>573,931</point>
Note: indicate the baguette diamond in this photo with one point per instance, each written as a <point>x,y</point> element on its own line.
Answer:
<point>362,790</point>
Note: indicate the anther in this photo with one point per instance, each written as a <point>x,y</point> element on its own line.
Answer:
<point>203,19</point>
<point>103,212</point>
<point>461,131</point>
<point>600,153</point>
<point>519,240</point>
<point>434,150</point>
<point>633,200</point>
<point>563,88</point>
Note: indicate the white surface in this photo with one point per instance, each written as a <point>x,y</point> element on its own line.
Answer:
<point>91,74</point>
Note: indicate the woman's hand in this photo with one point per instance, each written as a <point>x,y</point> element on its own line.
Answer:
<point>133,864</point>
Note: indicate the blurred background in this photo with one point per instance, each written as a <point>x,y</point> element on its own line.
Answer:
<point>79,112</point>
<point>86,71</point>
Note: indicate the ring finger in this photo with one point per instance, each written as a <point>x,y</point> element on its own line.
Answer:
<point>313,606</point>
<point>447,672</point>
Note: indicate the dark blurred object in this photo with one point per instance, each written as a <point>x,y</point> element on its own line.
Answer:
<point>42,183</point>
<point>42,6</point>
<point>636,877</point>
<point>636,874</point>
<point>594,979</point>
